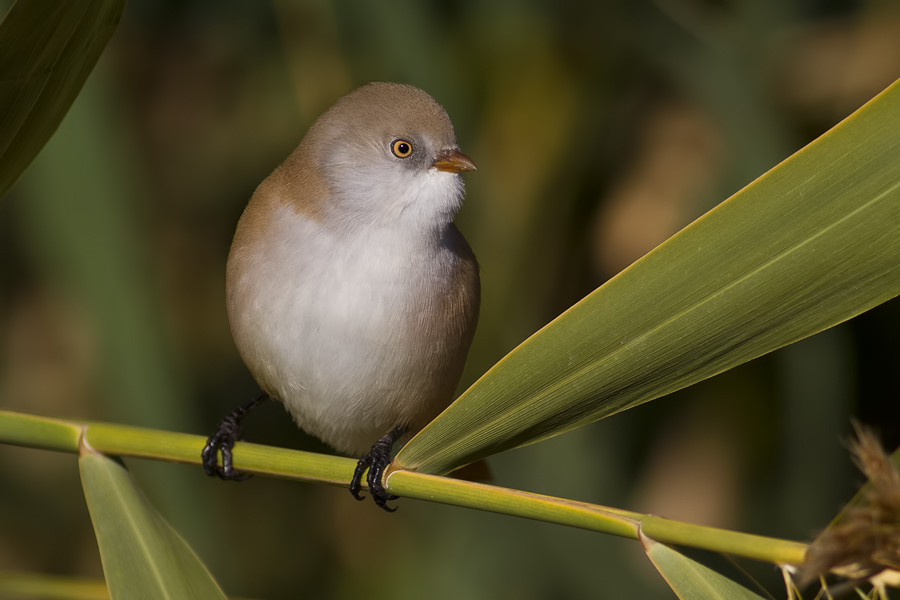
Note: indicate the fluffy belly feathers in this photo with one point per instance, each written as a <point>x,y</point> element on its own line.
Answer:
<point>345,343</point>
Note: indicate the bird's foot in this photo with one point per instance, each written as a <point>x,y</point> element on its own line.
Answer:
<point>223,439</point>
<point>377,459</point>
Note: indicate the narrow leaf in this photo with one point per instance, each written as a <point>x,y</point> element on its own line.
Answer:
<point>808,245</point>
<point>142,555</point>
<point>47,50</point>
<point>692,580</point>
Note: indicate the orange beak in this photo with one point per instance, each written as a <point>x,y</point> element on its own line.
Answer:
<point>453,161</point>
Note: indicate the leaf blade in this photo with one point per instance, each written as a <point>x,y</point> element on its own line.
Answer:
<point>49,49</point>
<point>808,245</point>
<point>142,555</point>
<point>691,579</point>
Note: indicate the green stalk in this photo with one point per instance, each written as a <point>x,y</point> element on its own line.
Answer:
<point>120,440</point>
<point>51,587</point>
<point>39,432</point>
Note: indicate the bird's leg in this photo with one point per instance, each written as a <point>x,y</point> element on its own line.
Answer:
<point>376,460</point>
<point>223,438</point>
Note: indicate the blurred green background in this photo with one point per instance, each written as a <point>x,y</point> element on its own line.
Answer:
<point>599,129</point>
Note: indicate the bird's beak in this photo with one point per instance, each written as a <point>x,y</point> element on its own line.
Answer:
<point>453,161</point>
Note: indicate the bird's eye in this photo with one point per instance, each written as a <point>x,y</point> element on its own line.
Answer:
<point>401,148</point>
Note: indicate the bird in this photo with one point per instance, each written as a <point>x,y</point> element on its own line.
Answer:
<point>351,295</point>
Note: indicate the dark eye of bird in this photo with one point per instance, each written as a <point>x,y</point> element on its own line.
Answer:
<point>401,148</point>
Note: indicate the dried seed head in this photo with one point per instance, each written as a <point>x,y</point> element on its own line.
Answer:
<point>864,541</point>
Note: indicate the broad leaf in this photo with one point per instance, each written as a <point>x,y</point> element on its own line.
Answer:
<point>142,555</point>
<point>47,50</point>
<point>810,244</point>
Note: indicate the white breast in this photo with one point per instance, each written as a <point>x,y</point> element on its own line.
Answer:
<point>337,327</point>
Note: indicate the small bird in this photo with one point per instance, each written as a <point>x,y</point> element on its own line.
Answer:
<point>352,297</point>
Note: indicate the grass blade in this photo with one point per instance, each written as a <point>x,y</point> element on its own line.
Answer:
<point>142,555</point>
<point>808,245</point>
<point>691,579</point>
<point>47,51</point>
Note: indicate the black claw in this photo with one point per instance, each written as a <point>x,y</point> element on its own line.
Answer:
<point>356,482</point>
<point>223,439</point>
<point>376,460</point>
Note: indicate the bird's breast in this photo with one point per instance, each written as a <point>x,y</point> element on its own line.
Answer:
<point>353,333</point>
